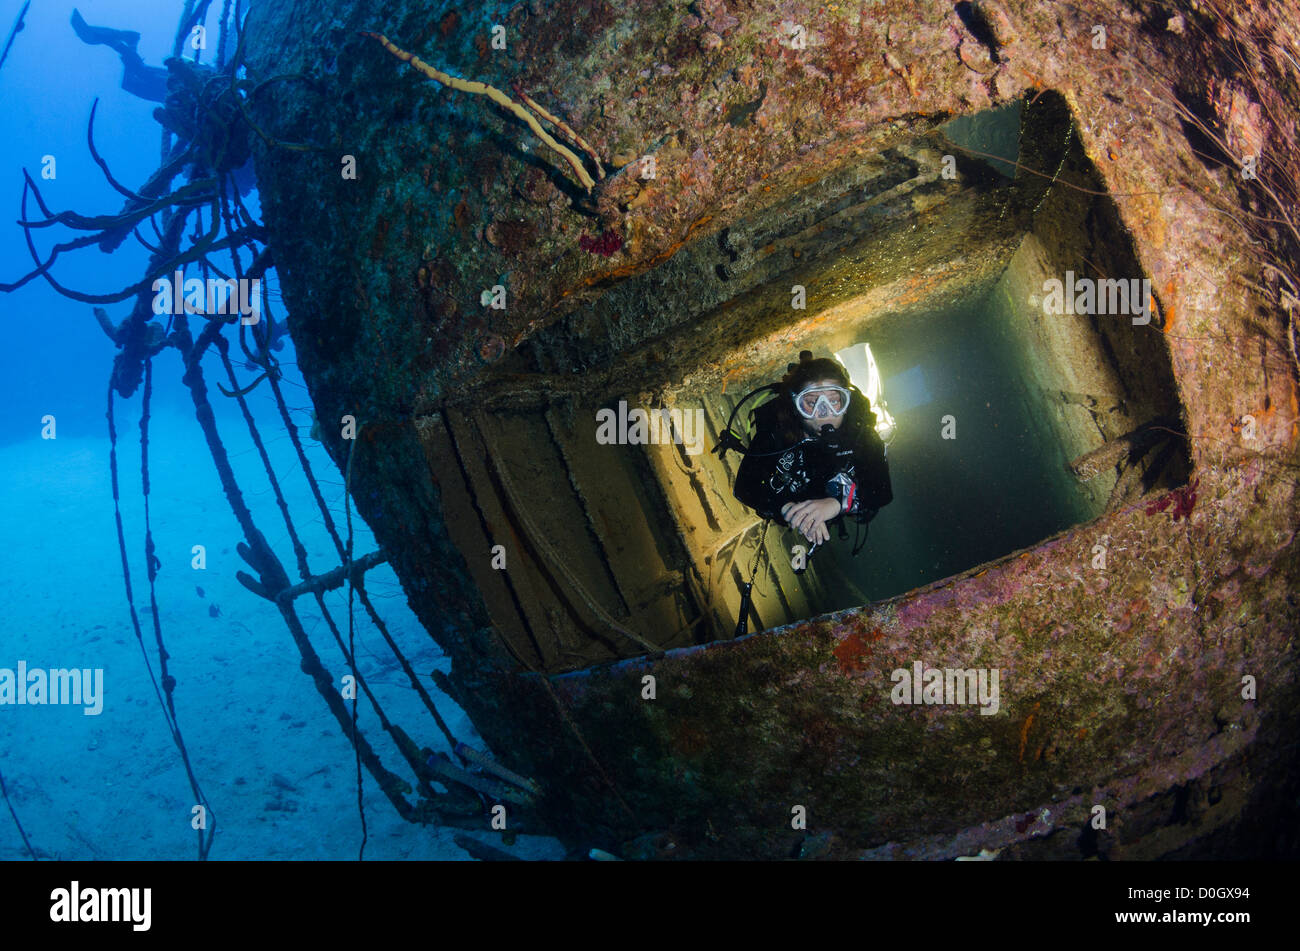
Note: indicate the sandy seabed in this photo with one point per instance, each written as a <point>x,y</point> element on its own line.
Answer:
<point>268,754</point>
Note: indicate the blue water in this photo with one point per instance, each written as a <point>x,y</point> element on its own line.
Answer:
<point>993,485</point>
<point>277,773</point>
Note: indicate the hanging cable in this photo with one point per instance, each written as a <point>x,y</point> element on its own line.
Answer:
<point>167,704</point>
<point>352,651</point>
<point>259,555</point>
<point>21,831</point>
<point>362,595</point>
<point>408,750</point>
<point>746,599</point>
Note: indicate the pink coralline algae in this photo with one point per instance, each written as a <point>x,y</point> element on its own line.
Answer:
<point>1184,501</point>
<point>606,245</point>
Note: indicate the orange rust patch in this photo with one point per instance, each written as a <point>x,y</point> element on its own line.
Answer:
<point>1035,81</point>
<point>1171,312</point>
<point>1024,731</point>
<point>851,652</point>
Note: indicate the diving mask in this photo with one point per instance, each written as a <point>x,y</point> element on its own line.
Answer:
<point>821,402</point>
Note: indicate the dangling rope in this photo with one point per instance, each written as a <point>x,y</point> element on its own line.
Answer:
<point>407,749</point>
<point>272,581</point>
<point>168,704</point>
<point>257,552</point>
<point>152,565</point>
<point>746,599</point>
<point>352,652</point>
<point>364,597</point>
<point>300,551</point>
<point>21,831</point>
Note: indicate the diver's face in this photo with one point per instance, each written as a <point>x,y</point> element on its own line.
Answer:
<point>826,400</point>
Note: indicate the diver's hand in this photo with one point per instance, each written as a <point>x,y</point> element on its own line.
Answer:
<point>810,517</point>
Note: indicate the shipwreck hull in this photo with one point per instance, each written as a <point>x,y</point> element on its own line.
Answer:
<point>1157,683</point>
<point>1095,710</point>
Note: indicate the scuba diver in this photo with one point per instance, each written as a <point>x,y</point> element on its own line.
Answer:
<point>139,79</point>
<point>815,455</point>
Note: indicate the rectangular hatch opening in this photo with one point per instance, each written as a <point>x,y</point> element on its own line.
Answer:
<point>615,547</point>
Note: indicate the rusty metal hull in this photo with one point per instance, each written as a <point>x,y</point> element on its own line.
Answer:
<point>1139,713</point>
<point>1160,688</point>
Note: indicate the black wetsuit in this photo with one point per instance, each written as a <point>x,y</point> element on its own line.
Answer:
<point>807,469</point>
<point>147,82</point>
